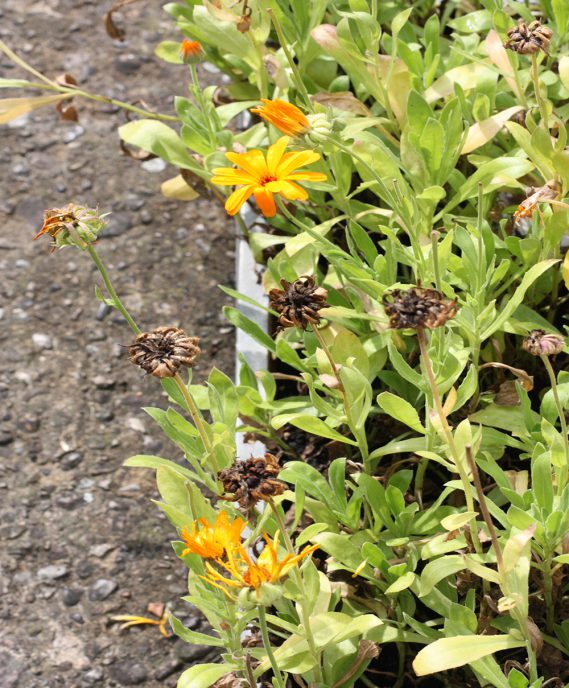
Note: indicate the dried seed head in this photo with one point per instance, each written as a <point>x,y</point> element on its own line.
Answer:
<point>73,225</point>
<point>542,343</point>
<point>298,302</point>
<point>253,480</point>
<point>528,39</point>
<point>164,351</point>
<point>418,307</point>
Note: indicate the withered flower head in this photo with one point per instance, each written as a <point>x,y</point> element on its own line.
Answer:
<point>298,302</point>
<point>535,195</point>
<point>73,225</point>
<point>527,39</point>
<point>191,51</point>
<point>164,351</point>
<point>253,480</point>
<point>542,343</point>
<point>418,307</point>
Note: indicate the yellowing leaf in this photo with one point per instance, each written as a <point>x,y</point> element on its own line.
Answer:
<point>565,270</point>
<point>564,71</point>
<point>467,76</point>
<point>482,132</point>
<point>499,56</point>
<point>177,188</point>
<point>456,521</point>
<point>12,108</point>
<point>448,653</point>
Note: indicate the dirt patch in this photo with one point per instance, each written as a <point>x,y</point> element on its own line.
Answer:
<point>79,539</point>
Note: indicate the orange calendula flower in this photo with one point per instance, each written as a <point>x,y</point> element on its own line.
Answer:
<point>191,51</point>
<point>264,177</point>
<point>246,573</point>
<point>286,117</point>
<point>213,541</point>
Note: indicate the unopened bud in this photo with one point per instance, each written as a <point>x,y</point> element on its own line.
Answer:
<point>320,127</point>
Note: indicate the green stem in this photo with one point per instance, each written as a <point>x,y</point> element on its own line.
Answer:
<point>198,421</point>
<point>118,304</point>
<point>447,432</point>
<point>299,83</point>
<point>289,216</point>
<point>435,236</point>
<point>297,576</point>
<point>561,414</point>
<point>198,95</point>
<point>548,595</point>
<point>268,649</point>
<point>537,88</point>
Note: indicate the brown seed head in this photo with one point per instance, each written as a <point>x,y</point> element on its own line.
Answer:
<point>164,351</point>
<point>298,302</point>
<point>253,480</point>
<point>418,307</point>
<point>527,39</point>
<point>542,343</point>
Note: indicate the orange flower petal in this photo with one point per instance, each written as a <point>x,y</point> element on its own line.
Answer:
<point>238,197</point>
<point>252,162</point>
<point>291,191</point>
<point>266,202</point>
<point>292,161</point>
<point>275,154</point>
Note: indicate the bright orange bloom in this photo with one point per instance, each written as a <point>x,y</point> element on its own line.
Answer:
<point>248,574</point>
<point>286,117</point>
<point>191,51</point>
<point>213,541</point>
<point>264,177</point>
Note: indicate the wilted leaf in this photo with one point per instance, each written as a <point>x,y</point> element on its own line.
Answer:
<point>467,76</point>
<point>343,100</point>
<point>110,27</point>
<point>499,56</point>
<point>12,108</point>
<point>177,188</point>
<point>482,132</point>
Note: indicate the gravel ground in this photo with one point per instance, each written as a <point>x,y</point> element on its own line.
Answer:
<point>79,539</point>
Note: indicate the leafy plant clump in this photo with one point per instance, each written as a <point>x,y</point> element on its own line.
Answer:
<point>409,166</point>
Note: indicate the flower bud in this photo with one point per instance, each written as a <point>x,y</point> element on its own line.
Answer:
<point>320,127</point>
<point>191,52</point>
<point>265,595</point>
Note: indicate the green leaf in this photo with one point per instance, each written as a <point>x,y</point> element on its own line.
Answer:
<point>518,296</point>
<point>204,675</point>
<point>240,320</point>
<point>448,653</point>
<point>158,138</point>
<point>401,410</point>
<point>150,461</point>
<point>193,637</point>
<point>310,424</point>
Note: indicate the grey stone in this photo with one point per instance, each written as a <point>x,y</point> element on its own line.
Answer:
<point>42,341</point>
<point>71,596</point>
<point>119,223</point>
<point>129,673</point>
<point>101,589</point>
<point>53,572</point>
<point>71,460</point>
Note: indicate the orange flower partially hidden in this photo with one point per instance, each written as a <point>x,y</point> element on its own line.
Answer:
<point>263,177</point>
<point>246,573</point>
<point>213,541</point>
<point>191,51</point>
<point>286,117</point>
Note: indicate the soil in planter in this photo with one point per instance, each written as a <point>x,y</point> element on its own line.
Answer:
<point>79,539</point>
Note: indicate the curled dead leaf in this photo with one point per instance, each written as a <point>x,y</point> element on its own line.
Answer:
<point>110,27</point>
<point>343,100</point>
<point>136,153</point>
<point>67,111</point>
